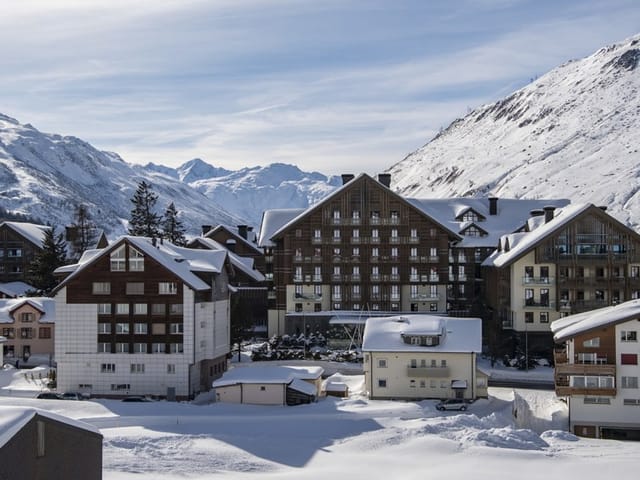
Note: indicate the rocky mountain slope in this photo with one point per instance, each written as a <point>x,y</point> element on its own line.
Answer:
<point>572,133</point>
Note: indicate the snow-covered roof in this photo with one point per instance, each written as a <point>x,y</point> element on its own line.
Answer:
<point>244,264</point>
<point>511,215</point>
<point>385,334</point>
<point>234,231</point>
<point>15,289</point>
<point>572,325</point>
<point>302,386</point>
<point>46,305</point>
<point>180,261</point>
<point>268,374</point>
<point>31,231</point>
<point>521,243</point>
<point>13,418</point>
<point>274,220</point>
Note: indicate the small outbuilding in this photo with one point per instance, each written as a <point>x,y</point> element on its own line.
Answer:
<point>40,445</point>
<point>270,385</point>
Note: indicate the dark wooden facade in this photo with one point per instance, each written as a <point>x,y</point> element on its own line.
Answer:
<point>16,254</point>
<point>48,449</point>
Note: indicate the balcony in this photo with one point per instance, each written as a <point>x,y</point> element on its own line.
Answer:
<point>538,304</point>
<point>537,280</point>
<point>317,278</point>
<point>316,240</point>
<point>564,372</point>
<point>414,240</point>
<point>414,278</point>
<point>431,372</point>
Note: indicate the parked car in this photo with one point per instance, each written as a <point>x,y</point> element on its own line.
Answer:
<point>73,396</point>
<point>452,404</point>
<point>49,396</point>
<point>136,398</point>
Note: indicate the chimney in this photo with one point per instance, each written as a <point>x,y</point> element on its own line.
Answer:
<point>536,212</point>
<point>346,178</point>
<point>231,245</point>
<point>205,229</point>
<point>242,231</point>
<point>548,213</point>
<point>385,179</point>
<point>493,205</point>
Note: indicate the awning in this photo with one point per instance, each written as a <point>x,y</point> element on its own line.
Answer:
<point>459,384</point>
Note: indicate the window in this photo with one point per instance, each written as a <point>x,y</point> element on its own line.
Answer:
<point>528,274</point>
<point>139,348</point>
<point>108,368</point>
<point>629,382</point>
<point>122,348</point>
<point>104,347</point>
<point>139,308</point>
<point>104,309</point>
<point>118,259</point>
<point>14,252</point>
<point>629,359</point>
<point>26,333</point>
<point>158,329</point>
<point>158,348</point>
<point>597,401</point>
<point>336,234</point>
<point>592,343</point>
<point>44,332</point>
<point>135,288</point>
<point>544,317</point>
<point>528,296</point>
<point>175,309</point>
<point>443,363</point>
<point>122,309</point>
<point>176,348</point>
<point>382,383</point>
<point>120,386</point>
<point>544,297</point>
<point>122,328</point>
<point>171,368</point>
<point>382,363</point>
<point>628,336</point>
<point>26,317</point>
<point>433,307</point>
<point>101,288</point>
<point>158,309</point>
<point>137,368</point>
<point>8,332</point>
<point>136,260</point>
<point>104,328</point>
<point>167,288</point>
<point>140,328</point>
<point>528,317</point>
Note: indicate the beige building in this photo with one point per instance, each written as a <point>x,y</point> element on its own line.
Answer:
<point>597,371</point>
<point>270,385</point>
<point>414,357</point>
<point>28,324</point>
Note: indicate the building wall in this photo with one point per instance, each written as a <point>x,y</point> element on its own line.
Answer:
<point>69,452</point>
<point>613,413</point>
<point>459,366</point>
<point>16,254</point>
<point>38,344</point>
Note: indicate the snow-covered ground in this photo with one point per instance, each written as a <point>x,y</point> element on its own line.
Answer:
<point>351,438</point>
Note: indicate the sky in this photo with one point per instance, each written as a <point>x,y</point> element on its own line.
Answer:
<point>333,86</point>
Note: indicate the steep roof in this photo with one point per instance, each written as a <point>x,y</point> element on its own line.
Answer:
<point>384,334</point>
<point>570,326</point>
<point>234,231</point>
<point>31,231</point>
<point>521,243</point>
<point>180,261</point>
<point>274,220</point>
<point>47,306</point>
<point>13,419</point>
<point>244,264</point>
<point>15,289</point>
<point>511,215</point>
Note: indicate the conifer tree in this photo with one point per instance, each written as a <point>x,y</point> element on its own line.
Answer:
<point>172,228</point>
<point>144,221</point>
<point>52,256</point>
<point>83,234</point>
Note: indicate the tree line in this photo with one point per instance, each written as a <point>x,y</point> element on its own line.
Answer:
<point>144,221</point>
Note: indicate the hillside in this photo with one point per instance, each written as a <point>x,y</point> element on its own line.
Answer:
<point>572,133</point>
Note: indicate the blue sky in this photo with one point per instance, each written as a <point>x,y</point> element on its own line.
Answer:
<point>332,86</point>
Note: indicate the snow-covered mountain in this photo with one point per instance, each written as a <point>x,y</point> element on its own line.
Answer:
<point>572,133</point>
<point>249,191</point>
<point>47,176</point>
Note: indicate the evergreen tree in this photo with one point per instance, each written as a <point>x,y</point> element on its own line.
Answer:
<point>144,221</point>
<point>82,234</point>
<point>52,256</point>
<point>172,228</point>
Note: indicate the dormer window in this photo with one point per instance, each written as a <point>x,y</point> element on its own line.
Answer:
<point>470,216</point>
<point>473,231</point>
<point>422,340</point>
